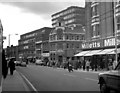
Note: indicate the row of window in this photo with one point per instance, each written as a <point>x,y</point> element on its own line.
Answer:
<point>67,37</point>
<point>28,46</point>
<point>29,35</point>
<point>27,41</point>
<point>28,52</point>
<point>63,13</point>
<point>53,47</point>
<point>66,22</point>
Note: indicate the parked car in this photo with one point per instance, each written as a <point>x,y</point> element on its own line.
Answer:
<point>17,63</point>
<point>23,64</point>
<point>38,62</point>
<point>110,80</point>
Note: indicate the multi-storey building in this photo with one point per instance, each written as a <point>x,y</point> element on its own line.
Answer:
<point>100,29</point>
<point>12,52</point>
<point>35,43</point>
<point>71,15</point>
<point>42,43</point>
<point>27,44</point>
<point>65,42</point>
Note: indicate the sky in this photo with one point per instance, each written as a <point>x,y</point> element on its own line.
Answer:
<point>23,16</point>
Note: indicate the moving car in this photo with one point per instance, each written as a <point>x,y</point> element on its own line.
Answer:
<point>110,80</point>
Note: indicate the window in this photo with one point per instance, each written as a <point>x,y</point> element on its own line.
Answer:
<point>67,46</point>
<point>95,10</point>
<point>118,23</point>
<point>95,31</point>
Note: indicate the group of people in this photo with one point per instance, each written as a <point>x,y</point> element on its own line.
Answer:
<point>7,65</point>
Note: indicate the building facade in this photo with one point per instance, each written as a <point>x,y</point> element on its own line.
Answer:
<point>12,52</point>
<point>71,15</point>
<point>65,42</point>
<point>101,19</point>
<point>34,44</point>
<point>27,44</point>
<point>42,43</point>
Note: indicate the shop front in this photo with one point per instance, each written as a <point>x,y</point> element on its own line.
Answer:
<point>100,52</point>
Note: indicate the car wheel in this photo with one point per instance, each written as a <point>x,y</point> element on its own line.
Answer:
<point>104,88</point>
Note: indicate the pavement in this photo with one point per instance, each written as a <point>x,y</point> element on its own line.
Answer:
<point>14,82</point>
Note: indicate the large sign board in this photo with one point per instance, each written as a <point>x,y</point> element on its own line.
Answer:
<point>100,43</point>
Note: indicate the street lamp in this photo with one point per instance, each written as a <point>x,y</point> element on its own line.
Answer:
<point>115,26</point>
<point>9,39</point>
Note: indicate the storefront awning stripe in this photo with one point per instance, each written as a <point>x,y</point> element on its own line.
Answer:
<point>113,52</point>
<point>92,52</point>
<point>82,53</point>
<point>105,51</point>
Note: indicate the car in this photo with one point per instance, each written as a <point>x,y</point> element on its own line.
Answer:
<point>17,63</point>
<point>38,62</point>
<point>23,64</point>
<point>110,80</point>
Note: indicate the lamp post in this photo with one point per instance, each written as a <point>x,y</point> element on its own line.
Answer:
<point>9,39</point>
<point>115,28</point>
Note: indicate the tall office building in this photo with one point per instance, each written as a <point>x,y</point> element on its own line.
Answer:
<point>71,15</point>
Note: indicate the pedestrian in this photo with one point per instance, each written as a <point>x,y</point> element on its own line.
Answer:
<point>114,64</point>
<point>11,65</point>
<point>87,65</point>
<point>70,68</point>
<point>4,65</point>
<point>84,62</point>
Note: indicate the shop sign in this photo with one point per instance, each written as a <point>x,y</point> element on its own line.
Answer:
<point>109,42</point>
<point>91,45</point>
<point>45,54</point>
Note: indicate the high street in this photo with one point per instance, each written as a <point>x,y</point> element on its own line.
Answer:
<point>44,78</point>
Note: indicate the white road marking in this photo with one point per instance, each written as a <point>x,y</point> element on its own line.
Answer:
<point>91,79</point>
<point>70,75</point>
<point>28,82</point>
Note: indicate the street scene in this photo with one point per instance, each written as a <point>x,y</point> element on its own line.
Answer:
<point>60,46</point>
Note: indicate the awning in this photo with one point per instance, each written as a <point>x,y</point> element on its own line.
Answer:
<point>82,53</point>
<point>113,52</point>
<point>105,51</point>
<point>93,52</point>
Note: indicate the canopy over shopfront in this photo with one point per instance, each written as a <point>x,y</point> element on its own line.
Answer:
<point>113,52</point>
<point>82,53</point>
<point>93,52</point>
<point>105,51</point>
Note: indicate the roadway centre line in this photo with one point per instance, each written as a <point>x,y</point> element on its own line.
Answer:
<point>91,79</point>
<point>28,82</point>
<point>70,75</point>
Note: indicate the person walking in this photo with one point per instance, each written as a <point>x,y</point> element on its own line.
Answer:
<point>11,65</point>
<point>84,63</point>
<point>87,65</point>
<point>4,65</point>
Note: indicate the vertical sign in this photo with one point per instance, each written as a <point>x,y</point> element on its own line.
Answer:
<point>1,45</point>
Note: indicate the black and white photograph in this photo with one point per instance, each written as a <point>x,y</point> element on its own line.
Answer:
<point>60,46</point>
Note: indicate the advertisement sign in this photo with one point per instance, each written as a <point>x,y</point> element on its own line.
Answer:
<point>101,43</point>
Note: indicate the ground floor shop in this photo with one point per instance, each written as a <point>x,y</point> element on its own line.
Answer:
<point>100,53</point>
